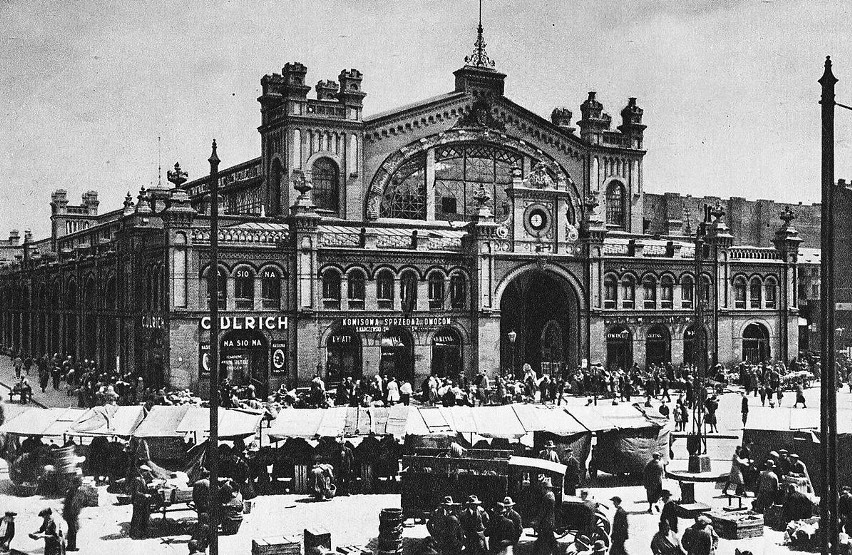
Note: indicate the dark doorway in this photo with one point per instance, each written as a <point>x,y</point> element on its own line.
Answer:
<point>343,356</point>
<point>245,360</point>
<point>542,310</point>
<point>397,354</point>
<point>619,348</point>
<point>657,346</point>
<point>755,343</point>
<point>446,353</point>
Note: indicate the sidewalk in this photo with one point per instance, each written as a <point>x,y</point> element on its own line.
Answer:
<point>49,399</point>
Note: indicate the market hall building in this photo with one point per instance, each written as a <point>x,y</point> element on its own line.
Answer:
<point>460,233</point>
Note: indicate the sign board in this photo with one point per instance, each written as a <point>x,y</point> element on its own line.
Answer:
<point>412,323</point>
<point>279,357</point>
<point>843,306</point>
<point>204,359</point>
<point>152,322</point>
<point>259,322</point>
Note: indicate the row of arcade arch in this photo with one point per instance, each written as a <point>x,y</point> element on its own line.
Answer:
<point>658,346</point>
<point>344,354</point>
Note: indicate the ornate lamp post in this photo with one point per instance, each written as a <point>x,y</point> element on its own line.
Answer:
<point>512,335</point>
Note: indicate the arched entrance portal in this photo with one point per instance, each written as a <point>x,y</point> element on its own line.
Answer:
<point>755,343</point>
<point>343,356</point>
<point>245,359</point>
<point>397,354</point>
<point>446,353</point>
<point>619,348</point>
<point>657,346</point>
<point>542,309</point>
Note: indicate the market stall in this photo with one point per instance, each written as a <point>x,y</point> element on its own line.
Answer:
<point>159,429</point>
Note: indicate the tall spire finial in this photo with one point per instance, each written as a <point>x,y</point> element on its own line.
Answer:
<point>479,58</point>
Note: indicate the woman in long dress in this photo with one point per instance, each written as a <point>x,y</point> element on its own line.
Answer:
<point>735,476</point>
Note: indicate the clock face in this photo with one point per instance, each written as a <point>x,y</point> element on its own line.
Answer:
<point>537,220</point>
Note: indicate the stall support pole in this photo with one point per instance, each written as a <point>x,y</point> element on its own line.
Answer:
<point>213,287</point>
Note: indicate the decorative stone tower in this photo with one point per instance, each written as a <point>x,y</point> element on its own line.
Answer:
<point>594,121</point>
<point>787,243</point>
<point>631,123</point>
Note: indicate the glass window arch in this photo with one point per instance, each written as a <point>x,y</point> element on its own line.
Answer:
<point>437,288</point>
<point>649,292</point>
<point>405,193</point>
<point>610,292</point>
<point>325,178</point>
<point>771,293</point>
<point>356,288</point>
<point>666,292</point>
<point>687,291</point>
<point>385,288</point>
<point>756,293</point>
<point>408,290</point>
<point>616,211</point>
<point>458,291</point>
<point>739,292</point>
<point>331,288</point>
<point>628,292</point>
<point>270,288</point>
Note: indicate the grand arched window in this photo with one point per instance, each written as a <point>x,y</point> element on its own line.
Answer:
<point>615,209</point>
<point>459,172</point>
<point>324,176</point>
<point>405,193</point>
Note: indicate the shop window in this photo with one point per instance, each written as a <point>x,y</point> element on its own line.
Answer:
<point>739,293</point>
<point>628,292</point>
<point>356,289</point>
<point>324,176</point>
<point>384,289</point>
<point>270,289</point>
<point>770,293</point>
<point>610,292</point>
<point>649,292</point>
<point>666,292</point>
<point>687,292</point>
<point>244,289</point>
<point>615,209</point>
<point>222,288</point>
<point>331,289</point>
<point>408,291</point>
<point>436,291</point>
<point>756,293</point>
<point>458,291</point>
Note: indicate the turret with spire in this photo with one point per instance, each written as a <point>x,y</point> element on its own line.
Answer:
<point>478,75</point>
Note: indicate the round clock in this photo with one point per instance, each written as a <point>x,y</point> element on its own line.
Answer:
<point>537,220</point>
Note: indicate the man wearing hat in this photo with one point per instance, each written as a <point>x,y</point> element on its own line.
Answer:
<point>700,538</point>
<point>669,511</point>
<point>445,529</point>
<point>572,472</point>
<point>652,479</point>
<point>50,532</point>
<point>767,488</point>
<point>141,499</point>
<point>7,531</point>
<point>549,452</point>
<point>620,531</point>
<point>504,531</point>
<point>546,544</point>
<point>474,520</point>
<point>844,508</point>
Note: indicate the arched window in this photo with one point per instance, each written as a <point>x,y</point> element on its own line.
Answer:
<point>687,291</point>
<point>405,193</point>
<point>408,291</point>
<point>460,170</point>
<point>649,292</point>
<point>244,288</point>
<point>384,289</point>
<point>756,293</point>
<point>331,289</point>
<point>458,291</point>
<point>739,292</point>
<point>275,189</point>
<point>666,292</point>
<point>222,287</point>
<point>610,292</point>
<point>356,289</point>
<point>706,290</point>
<point>436,291</point>
<point>770,293</point>
<point>324,176</point>
<point>628,292</point>
<point>270,288</point>
<point>615,209</point>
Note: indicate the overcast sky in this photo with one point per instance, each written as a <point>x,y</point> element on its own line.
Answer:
<point>728,87</point>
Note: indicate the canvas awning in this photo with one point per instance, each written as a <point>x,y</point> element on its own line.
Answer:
<point>341,422</point>
<point>162,421</point>
<point>232,422</point>
<point>109,420</point>
<point>605,417</point>
<point>541,418</point>
<point>43,422</point>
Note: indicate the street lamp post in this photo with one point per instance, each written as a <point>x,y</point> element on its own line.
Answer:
<point>512,335</point>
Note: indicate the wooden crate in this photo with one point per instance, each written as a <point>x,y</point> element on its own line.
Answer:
<point>317,537</point>
<point>737,525</point>
<point>278,545</point>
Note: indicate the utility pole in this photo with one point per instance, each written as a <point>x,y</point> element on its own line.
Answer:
<point>828,374</point>
<point>213,288</point>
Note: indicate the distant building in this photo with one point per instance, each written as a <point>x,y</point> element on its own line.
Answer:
<point>415,241</point>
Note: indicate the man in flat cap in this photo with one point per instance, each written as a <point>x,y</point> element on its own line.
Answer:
<point>620,531</point>
<point>700,538</point>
